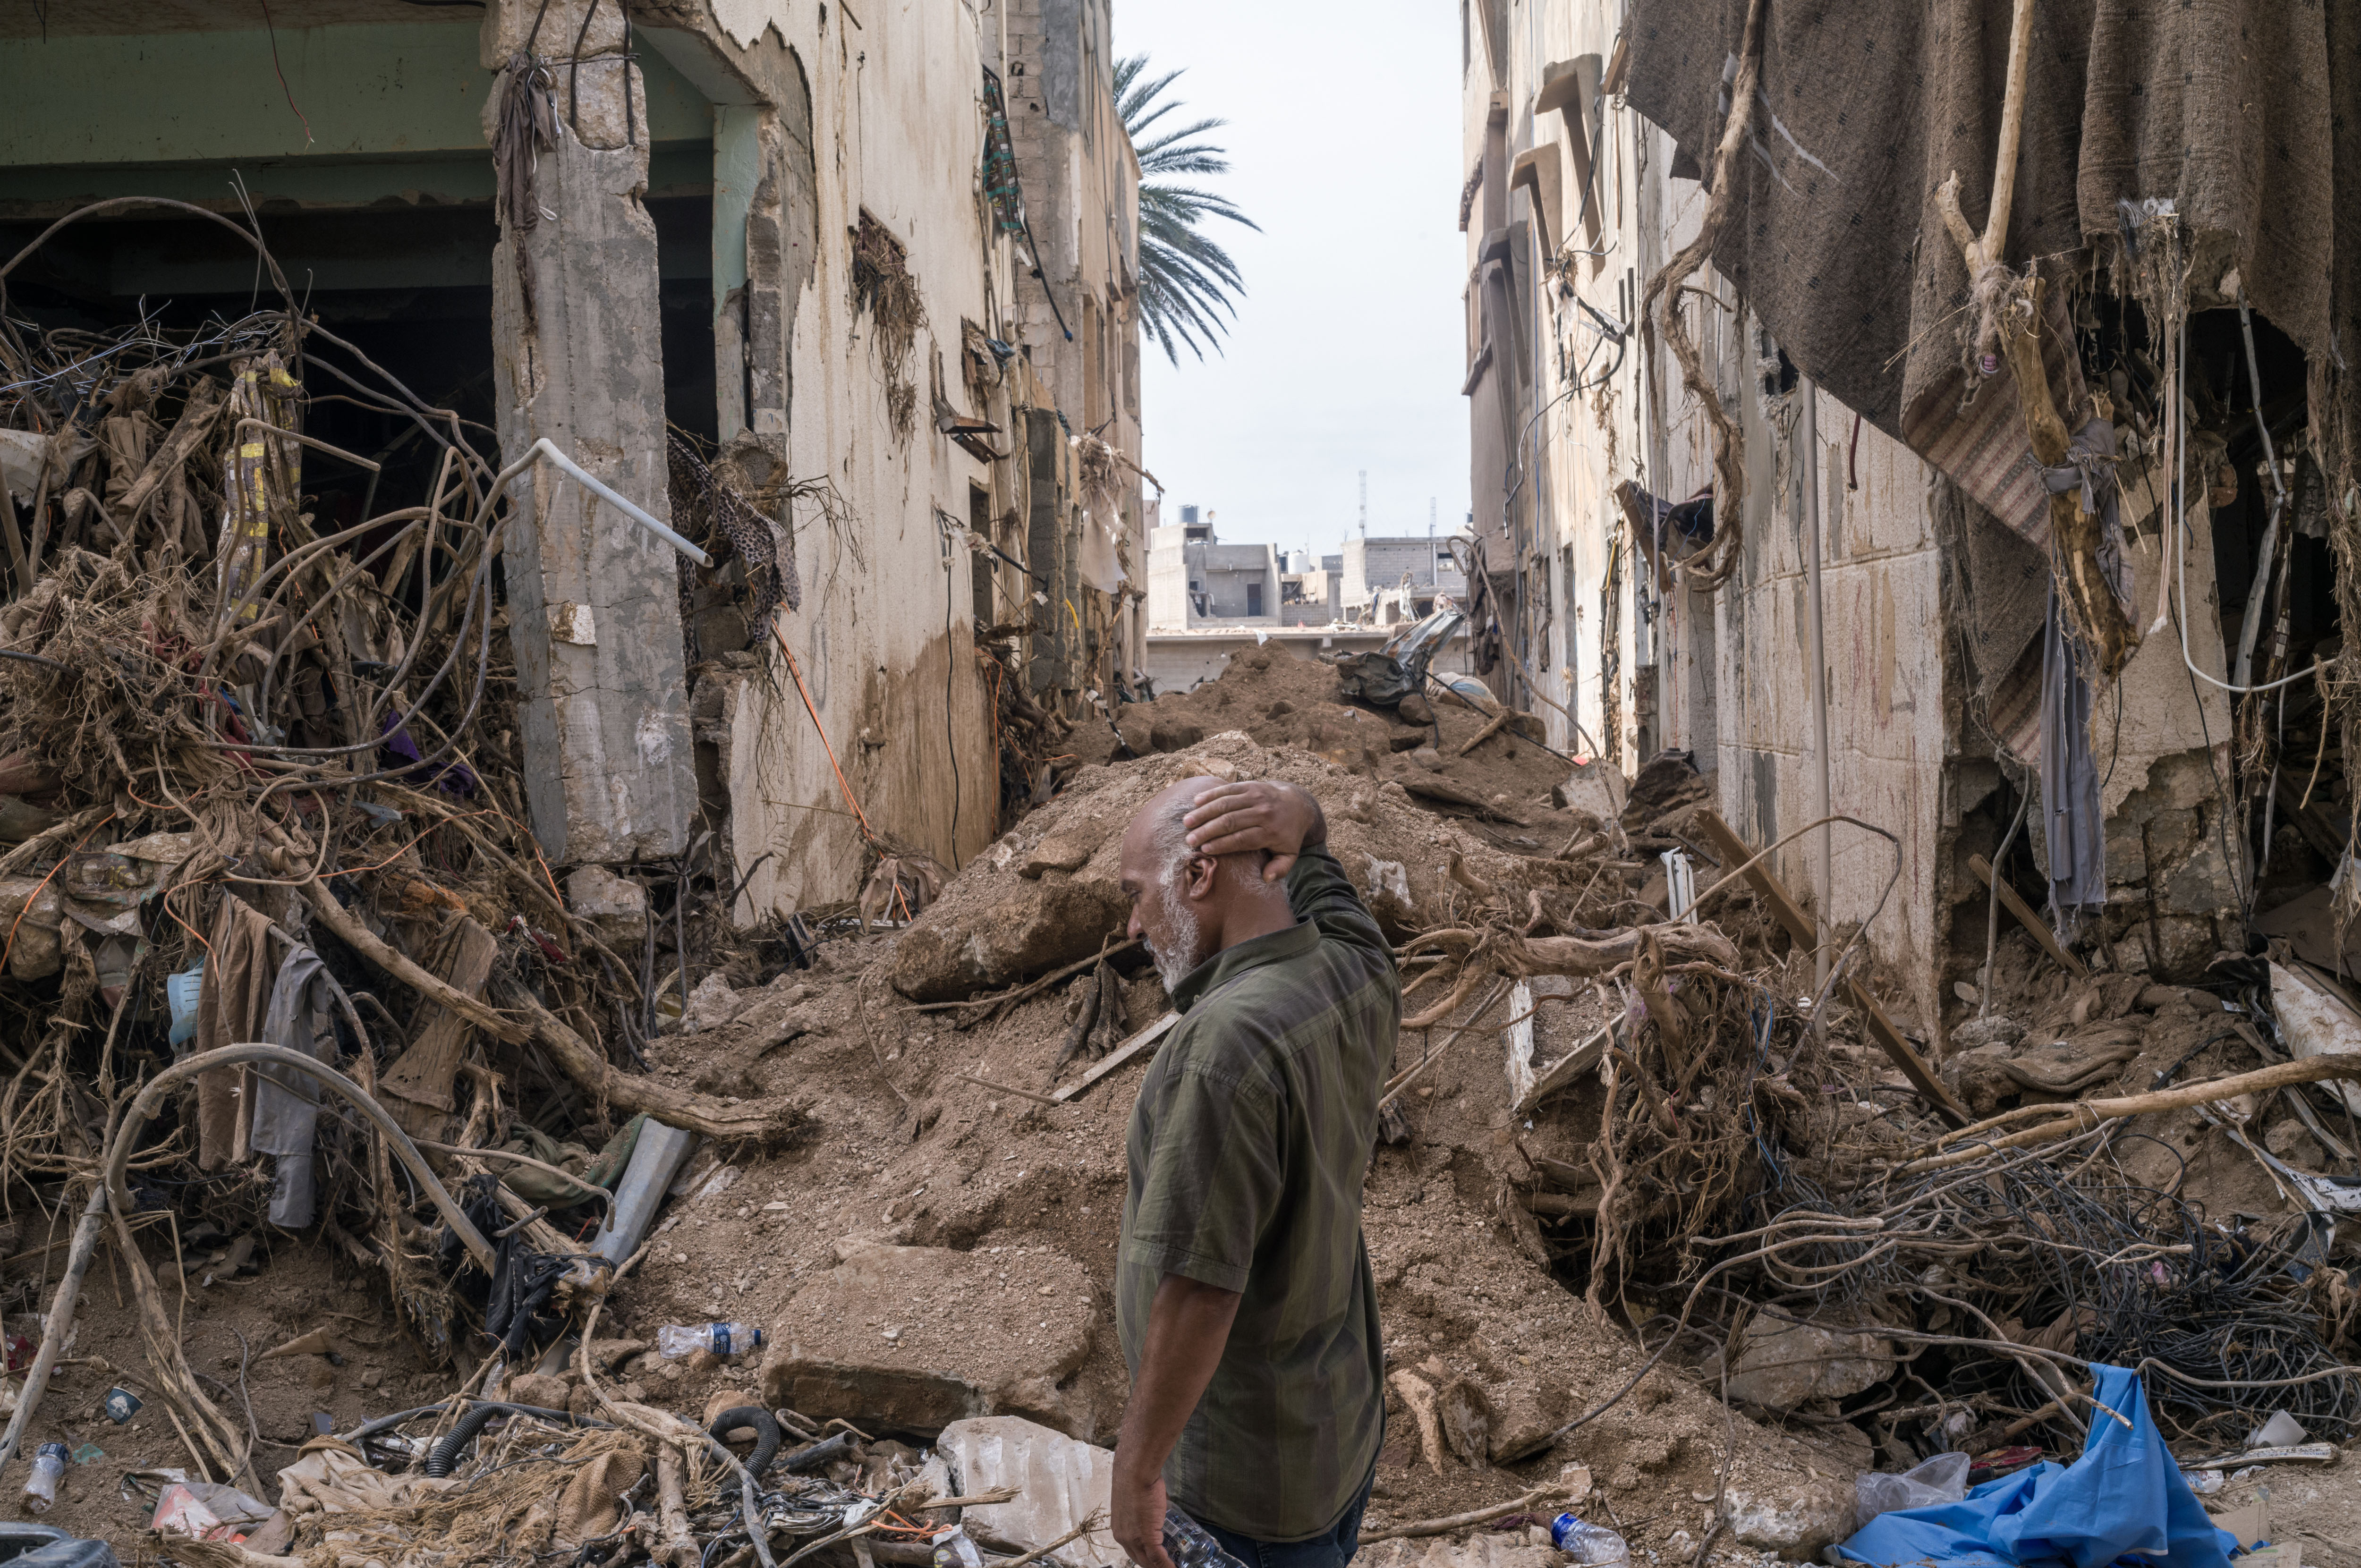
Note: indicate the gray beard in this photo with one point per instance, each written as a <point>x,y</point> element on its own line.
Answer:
<point>1177,958</point>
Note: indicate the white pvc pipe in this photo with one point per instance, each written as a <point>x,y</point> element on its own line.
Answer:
<point>1817,627</point>
<point>591,483</point>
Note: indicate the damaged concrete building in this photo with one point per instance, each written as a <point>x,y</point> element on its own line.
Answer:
<point>872,270</point>
<point>1821,563</point>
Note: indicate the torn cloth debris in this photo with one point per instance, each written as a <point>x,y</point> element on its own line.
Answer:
<point>1865,106</point>
<point>231,1002</point>
<point>286,1100</point>
<point>2070,787</point>
<point>2076,831</point>
<point>2123,1495</point>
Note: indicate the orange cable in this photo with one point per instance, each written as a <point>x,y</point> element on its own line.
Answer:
<point>794,669</point>
<point>28,906</point>
<point>183,925</point>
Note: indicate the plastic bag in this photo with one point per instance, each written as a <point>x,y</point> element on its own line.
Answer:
<point>1942,1479</point>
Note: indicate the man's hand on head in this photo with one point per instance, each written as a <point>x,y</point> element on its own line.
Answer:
<point>1278,818</point>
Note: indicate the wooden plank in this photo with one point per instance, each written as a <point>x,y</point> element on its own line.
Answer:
<point>2032,922</point>
<point>1143,1041</point>
<point>1734,851</point>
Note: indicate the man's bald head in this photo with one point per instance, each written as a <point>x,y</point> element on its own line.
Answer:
<point>1182,899</point>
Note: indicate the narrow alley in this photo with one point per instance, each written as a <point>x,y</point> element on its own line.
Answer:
<point>600,967</point>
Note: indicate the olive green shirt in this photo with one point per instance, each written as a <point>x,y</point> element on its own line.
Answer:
<point>1246,1151</point>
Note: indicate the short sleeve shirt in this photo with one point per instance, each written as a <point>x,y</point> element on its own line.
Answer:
<point>1246,1152</point>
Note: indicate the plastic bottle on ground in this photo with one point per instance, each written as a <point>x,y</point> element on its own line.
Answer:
<point>1191,1545</point>
<point>721,1339</point>
<point>41,1486</point>
<point>956,1550</point>
<point>1592,1545</point>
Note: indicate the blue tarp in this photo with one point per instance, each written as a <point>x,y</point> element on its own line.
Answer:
<point>2125,1495</point>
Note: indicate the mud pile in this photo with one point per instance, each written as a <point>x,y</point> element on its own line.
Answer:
<point>944,1245</point>
<point>1047,893</point>
<point>1279,700</point>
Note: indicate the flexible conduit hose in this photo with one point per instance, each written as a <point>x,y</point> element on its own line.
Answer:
<point>445,1455</point>
<point>767,1436</point>
<point>814,1455</point>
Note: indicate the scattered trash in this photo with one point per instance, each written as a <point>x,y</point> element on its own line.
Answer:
<point>721,1338</point>
<point>121,1405</point>
<point>1929,1484</point>
<point>42,1483</point>
<point>1591,1545</point>
<point>208,1510</point>
<point>181,994</point>
<point>2123,1495</point>
<point>956,1550</point>
<point>2282,1431</point>
<point>2205,1483</point>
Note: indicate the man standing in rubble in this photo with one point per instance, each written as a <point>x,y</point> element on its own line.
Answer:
<point>1243,1291</point>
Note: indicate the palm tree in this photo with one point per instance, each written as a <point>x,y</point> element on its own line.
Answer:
<point>1186,281</point>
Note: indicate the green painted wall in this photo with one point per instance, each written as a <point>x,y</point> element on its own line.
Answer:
<point>681,169</point>
<point>406,89</point>
<point>737,169</point>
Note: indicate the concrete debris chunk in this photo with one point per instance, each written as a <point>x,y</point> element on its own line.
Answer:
<point>967,1342</point>
<point>1061,1483</point>
<point>1794,1515</point>
<point>615,907</point>
<point>1785,1364</point>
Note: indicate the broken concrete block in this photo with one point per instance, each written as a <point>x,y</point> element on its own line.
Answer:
<point>1040,1400</point>
<point>1589,788</point>
<point>1997,1029</point>
<point>1066,849</point>
<point>616,909</point>
<point>2201,884</point>
<point>768,1019</point>
<point>962,1339</point>
<point>1063,1483</point>
<point>1795,1516</point>
<point>549,1393</point>
<point>1041,925</point>
<point>2189,943</point>
<point>712,1004</point>
<point>1783,1364</point>
<point>1528,1416</point>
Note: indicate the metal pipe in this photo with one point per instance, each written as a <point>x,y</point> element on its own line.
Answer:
<point>1815,633</point>
<point>599,488</point>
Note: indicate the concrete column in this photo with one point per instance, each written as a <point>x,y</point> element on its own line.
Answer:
<point>593,601</point>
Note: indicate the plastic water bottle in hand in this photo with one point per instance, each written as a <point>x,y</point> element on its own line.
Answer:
<point>1191,1545</point>
<point>1592,1545</point>
<point>721,1339</point>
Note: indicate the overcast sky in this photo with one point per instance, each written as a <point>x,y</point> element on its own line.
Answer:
<point>1348,348</point>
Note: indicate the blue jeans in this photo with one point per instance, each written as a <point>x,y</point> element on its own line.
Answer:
<point>1333,1550</point>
